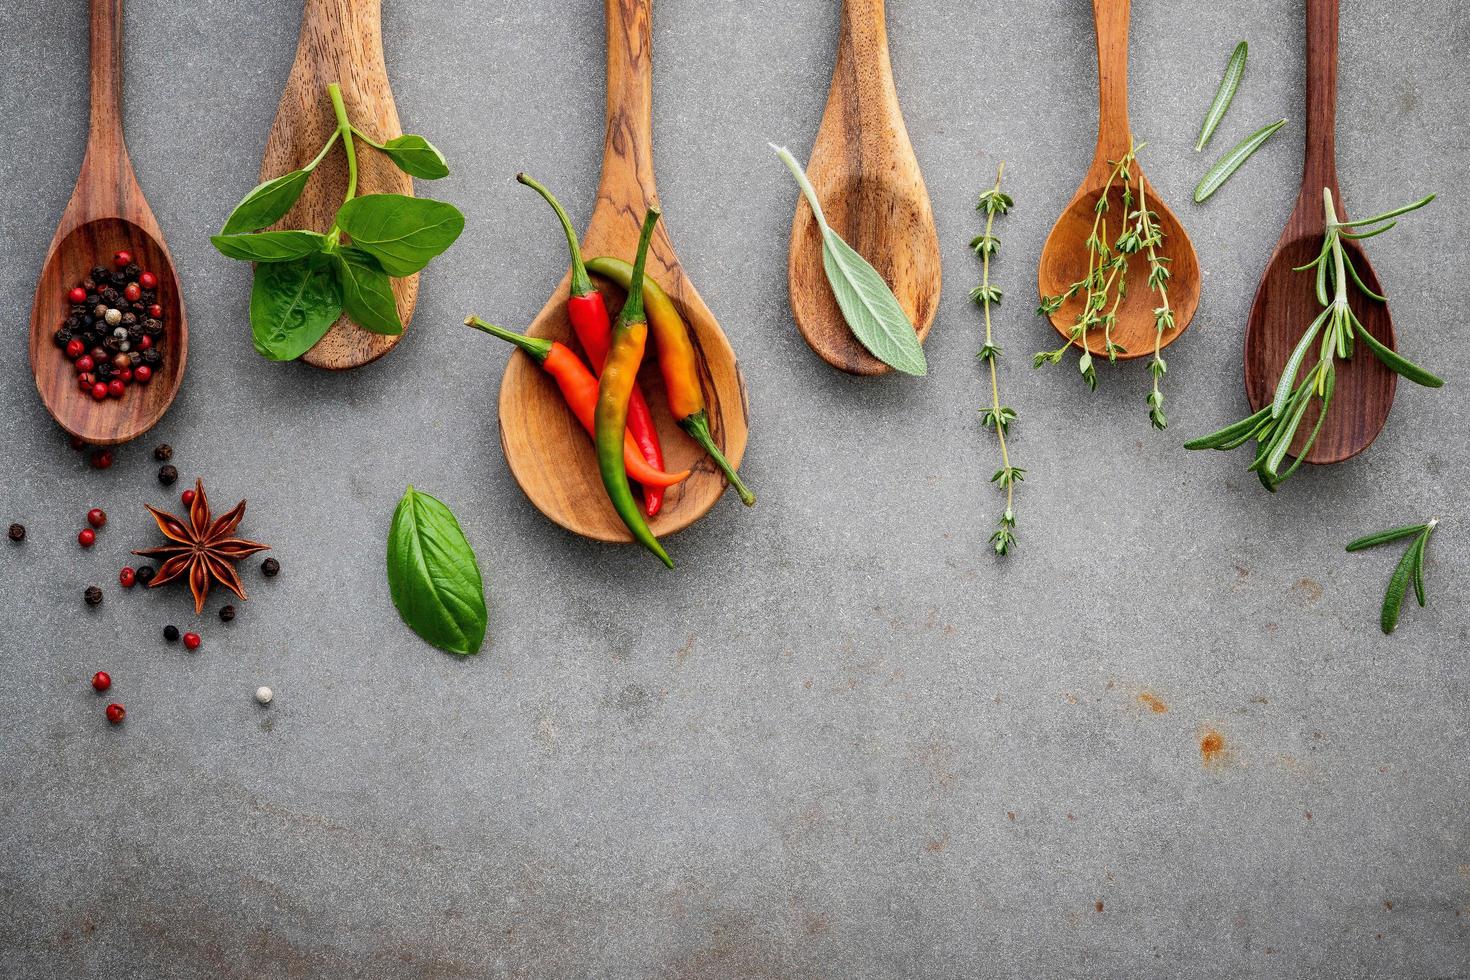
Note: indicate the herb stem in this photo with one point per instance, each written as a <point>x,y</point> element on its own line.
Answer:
<point>344,126</point>
<point>807,190</point>
<point>1000,432</point>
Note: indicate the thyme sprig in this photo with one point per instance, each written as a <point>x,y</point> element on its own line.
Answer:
<point>998,417</point>
<point>1105,286</point>
<point>1410,568</point>
<point>1275,427</point>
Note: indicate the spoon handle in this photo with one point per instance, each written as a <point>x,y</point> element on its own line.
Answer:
<point>1320,168</point>
<point>628,146</point>
<point>105,145</point>
<point>1114,136</point>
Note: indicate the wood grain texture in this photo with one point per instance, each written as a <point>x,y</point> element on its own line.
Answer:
<point>549,454</point>
<point>1286,301</point>
<point>341,41</point>
<point>106,214</point>
<point>865,174</point>
<point>1064,258</point>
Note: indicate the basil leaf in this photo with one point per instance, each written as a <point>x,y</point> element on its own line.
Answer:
<point>292,304</point>
<point>402,233</point>
<point>417,157</point>
<point>1223,96</point>
<point>269,246</point>
<point>267,204</point>
<point>434,577</point>
<point>871,310</point>
<point>367,292</point>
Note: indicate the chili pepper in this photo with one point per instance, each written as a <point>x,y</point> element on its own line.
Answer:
<point>579,389</point>
<point>677,361</point>
<point>619,375</point>
<point>593,326</point>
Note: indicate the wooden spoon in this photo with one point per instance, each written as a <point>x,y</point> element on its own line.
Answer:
<point>341,41</point>
<point>1286,301</point>
<point>1065,259</point>
<point>866,176</point>
<point>549,453</point>
<point>106,215</point>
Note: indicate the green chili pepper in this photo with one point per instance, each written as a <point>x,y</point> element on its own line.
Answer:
<point>615,390</point>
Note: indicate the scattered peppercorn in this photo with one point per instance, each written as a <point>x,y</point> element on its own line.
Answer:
<point>96,517</point>
<point>116,713</point>
<point>126,578</point>
<point>167,474</point>
<point>171,634</point>
<point>187,497</point>
<point>270,568</point>
<point>145,574</point>
<point>102,458</point>
<point>226,614</point>
<point>192,641</point>
<point>122,259</point>
<point>93,596</point>
<point>101,681</point>
<point>264,694</point>
<point>163,452</point>
<point>17,532</point>
<point>86,537</point>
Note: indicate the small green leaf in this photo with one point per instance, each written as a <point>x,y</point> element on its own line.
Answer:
<point>1234,70</point>
<point>417,157</point>
<point>1419,568</point>
<point>267,203</point>
<point>1386,537</point>
<point>1232,161</point>
<point>402,233</point>
<point>269,246</point>
<point>367,292</point>
<point>434,577</point>
<point>292,304</point>
<point>1393,600</point>
<point>1391,360</point>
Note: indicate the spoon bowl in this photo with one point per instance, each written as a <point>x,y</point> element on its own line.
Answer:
<point>864,172</point>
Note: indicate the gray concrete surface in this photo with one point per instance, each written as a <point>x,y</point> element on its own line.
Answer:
<point>842,741</point>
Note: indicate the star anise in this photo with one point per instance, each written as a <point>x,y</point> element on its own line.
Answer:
<point>203,548</point>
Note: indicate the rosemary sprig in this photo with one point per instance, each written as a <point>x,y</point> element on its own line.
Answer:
<point>1105,286</point>
<point>1410,568</point>
<point>998,417</point>
<point>1275,427</point>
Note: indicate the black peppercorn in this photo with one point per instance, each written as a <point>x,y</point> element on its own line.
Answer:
<point>145,574</point>
<point>103,370</point>
<point>226,613</point>
<point>129,319</point>
<point>93,595</point>
<point>17,532</point>
<point>116,278</point>
<point>89,284</point>
<point>61,337</point>
<point>132,271</point>
<point>152,356</point>
<point>171,633</point>
<point>99,273</point>
<point>167,474</point>
<point>163,452</point>
<point>270,568</point>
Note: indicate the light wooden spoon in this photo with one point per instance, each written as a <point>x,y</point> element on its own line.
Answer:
<point>106,214</point>
<point>1286,301</point>
<point>548,452</point>
<point>1065,259</point>
<point>341,41</point>
<point>868,181</point>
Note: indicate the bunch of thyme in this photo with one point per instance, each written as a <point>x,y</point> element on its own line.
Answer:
<point>998,417</point>
<point>1275,427</point>
<point>1106,284</point>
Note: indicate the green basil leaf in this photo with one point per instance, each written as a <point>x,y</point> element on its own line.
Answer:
<point>402,233</point>
<point>269,246</point>
<point>292,304</point>
<point>1234,70</point>
<point>417,157</point>
<point>434,577</point>
<point>267,204</point>
<point>367,292</point>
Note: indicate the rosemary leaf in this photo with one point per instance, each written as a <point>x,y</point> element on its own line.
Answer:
<point>1393,599</point>
<point>1392,361</point>
<point>1232,161</point>
<point>1234,70</point>
<point>1386,537</point>
<point>1419,547</point>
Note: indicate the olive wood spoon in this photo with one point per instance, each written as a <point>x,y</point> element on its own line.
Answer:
<point>106,215</point>
<point>1065,259</point>
<point>341,41</point>
<point>548,452</point>
<point>1286,301</point>
<point>868,181</point>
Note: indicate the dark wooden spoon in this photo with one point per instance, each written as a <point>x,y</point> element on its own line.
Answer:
<point>106,215</point>
<point>1286,301</point>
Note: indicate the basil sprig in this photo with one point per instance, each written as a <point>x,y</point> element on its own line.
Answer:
<point>434,577</point>
<point>304,280</point>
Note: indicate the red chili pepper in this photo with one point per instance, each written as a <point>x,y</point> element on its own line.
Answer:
<point>579,389</point>
<point>590,320</point>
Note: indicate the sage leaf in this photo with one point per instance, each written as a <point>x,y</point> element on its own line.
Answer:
<point>269,246</point>
<point>1234,70</point>
<point>292,304</point>
<point>1386,537</point>
<point>433,576</point>
<point>417,157</point>
<point>367,292</point>
<point>1232,161</point>
<point>1391,360</point>
<point>267,203</point>
<point>402,233</point>
<point>871,310</point>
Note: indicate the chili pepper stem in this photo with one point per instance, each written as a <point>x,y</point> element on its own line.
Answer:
<point>581,282</point>
<point>697,425</point>
<point>537,348</point>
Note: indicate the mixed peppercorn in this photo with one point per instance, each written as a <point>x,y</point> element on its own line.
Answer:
<point>113,332</point>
